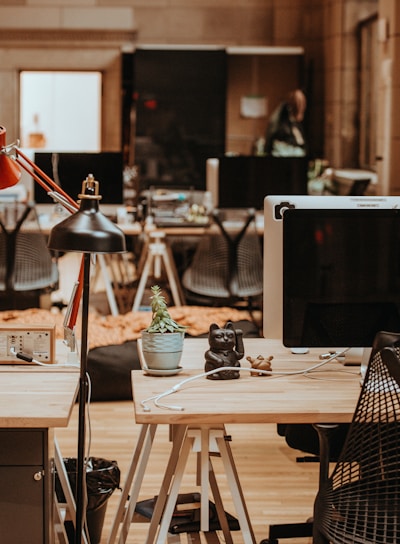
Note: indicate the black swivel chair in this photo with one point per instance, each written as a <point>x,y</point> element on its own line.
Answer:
<point>27,268</point>
<point>320,443</point>
<point>360,502</point>
<point>359,187</point>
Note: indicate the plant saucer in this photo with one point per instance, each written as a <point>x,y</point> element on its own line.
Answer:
<point>160,372</point>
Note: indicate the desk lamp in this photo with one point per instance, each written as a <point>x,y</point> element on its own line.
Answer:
<point>87,231</point>
<point>12,159</point>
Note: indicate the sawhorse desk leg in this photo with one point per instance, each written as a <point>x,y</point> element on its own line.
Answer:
<point>158,253</point>
<point>203,440</point>
<point>70,505</point>
<point>132,484</point>
<point>108,285</point>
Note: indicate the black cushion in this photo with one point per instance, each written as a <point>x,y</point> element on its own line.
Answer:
<point>109,368</point>
<point>188,521</point>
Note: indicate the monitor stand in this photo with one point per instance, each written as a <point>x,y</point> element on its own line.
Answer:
<point>299,351</point>
<point>351,357</point>
<point>355,357</point>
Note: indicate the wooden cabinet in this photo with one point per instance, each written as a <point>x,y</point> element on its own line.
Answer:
<point>26,480</point>
<point>33,402</point>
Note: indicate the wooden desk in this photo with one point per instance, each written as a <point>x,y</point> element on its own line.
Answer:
<point>34,397</point>
<point>207,405</point>
<point>33,401</point>
<point>279,399</point>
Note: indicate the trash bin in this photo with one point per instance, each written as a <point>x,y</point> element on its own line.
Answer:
<point>102,478</point>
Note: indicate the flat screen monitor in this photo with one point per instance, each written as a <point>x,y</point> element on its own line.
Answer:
<point>70,169</point>
<point>244,181</point>
<point>331,270</point>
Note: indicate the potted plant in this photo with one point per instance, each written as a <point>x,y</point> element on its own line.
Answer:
<point>162,341</point>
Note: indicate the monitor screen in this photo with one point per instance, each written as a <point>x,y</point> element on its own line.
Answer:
<point>331,270</point>
<point>70,169</point>
<point>244,181</point>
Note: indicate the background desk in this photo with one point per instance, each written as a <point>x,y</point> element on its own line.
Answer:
<point>116,271</point>
<point>33,401</point>
<point>211,404</point>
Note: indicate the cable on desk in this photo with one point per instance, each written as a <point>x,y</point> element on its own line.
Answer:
<point>30,359</point>
<point>177,387</point>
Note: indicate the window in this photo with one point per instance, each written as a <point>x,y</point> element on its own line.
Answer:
<point>60,111</point>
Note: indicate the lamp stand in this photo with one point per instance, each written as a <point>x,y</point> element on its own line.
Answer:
<point>86,231</point>
<point>83,394</point>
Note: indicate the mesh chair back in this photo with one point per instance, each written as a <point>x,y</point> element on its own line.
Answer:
<point>26,263</point>
<point>360,502</point>
<point>227,264</point>
<point>34,266</point>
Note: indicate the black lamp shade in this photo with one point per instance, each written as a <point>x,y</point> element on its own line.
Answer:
<point>87,231</point>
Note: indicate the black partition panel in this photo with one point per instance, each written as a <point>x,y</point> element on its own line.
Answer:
<point>180,114</point>
<point>244,181</point>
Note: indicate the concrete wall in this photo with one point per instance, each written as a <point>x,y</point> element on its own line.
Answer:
<point>85,34</point>
<point>388,138</point>
<point>341,77</point>
<point>73,34</point>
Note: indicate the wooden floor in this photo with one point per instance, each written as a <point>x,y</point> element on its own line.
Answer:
<point>276,488</point>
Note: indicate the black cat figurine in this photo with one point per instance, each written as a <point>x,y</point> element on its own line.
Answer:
<point>226,349</point>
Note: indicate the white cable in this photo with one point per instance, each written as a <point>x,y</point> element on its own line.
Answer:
<point>89,398</point>
<point>175,388</point>
<point>30,359</point>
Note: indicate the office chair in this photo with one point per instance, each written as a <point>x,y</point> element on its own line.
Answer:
<point>27,267</point>
<point>325,445</point>
<point>360,501</point>
<point>319,443</point>
<point>359,187</point>
<point>227,266</point>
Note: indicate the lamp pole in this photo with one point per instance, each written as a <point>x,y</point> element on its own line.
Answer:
<point>83,394</point>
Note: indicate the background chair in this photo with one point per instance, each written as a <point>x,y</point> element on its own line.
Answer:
<point>360,501</point>
<point>227,266</point>
<point>27,268</point>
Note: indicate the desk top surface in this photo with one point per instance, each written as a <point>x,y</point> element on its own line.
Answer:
<point>327,396</point>
<point>33,397</point>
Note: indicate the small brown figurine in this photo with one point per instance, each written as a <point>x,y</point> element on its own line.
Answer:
<point>226,349</point>
<point>260,363</point>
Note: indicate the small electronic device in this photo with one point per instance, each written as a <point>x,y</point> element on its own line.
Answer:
<point>31,341</point>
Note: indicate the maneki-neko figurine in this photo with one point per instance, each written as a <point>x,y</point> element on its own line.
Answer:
<point>226,350</point>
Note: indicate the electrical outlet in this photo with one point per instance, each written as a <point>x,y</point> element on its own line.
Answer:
<point>36,341</point>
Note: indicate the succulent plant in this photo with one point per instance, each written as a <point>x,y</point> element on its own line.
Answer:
<point>161,319</point>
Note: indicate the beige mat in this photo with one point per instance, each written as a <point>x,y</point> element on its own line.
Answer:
<point>109,330</point>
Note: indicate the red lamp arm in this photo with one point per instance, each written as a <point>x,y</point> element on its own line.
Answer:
<point>11,154</point>
<point>44,180</point>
